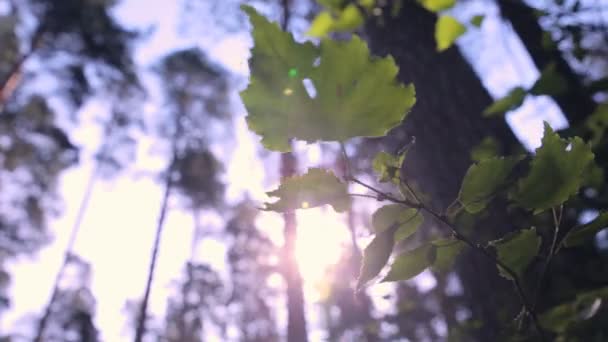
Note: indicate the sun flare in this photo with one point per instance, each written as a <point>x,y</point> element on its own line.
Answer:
<point>322,234</point>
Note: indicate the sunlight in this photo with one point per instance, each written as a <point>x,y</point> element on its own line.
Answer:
<point>321,237</point>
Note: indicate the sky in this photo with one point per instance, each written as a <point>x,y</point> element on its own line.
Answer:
<point>120,264</point>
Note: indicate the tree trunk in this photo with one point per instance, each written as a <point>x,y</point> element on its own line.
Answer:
<point>446,122</point>
<point>576,103</point>
<point>296,320</point>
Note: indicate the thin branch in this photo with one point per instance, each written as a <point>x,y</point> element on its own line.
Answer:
<point>557,218</point>
<point>348,168</point>
<point>363,195</point>
<point>459,236</point>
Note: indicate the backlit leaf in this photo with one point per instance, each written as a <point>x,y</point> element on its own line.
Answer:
<point>347,19</point>
<point>437,5</point>
<point>315,188</point>
<point>556,172</point>
<point>394,217</point>
<point>321,25</point>
<point>483,180</point>
<point>511,101</point>
<point>409,264</point>
<point>447,251</point>
<point>375,257</point>
<point>357,95</point>
<point>387,166</point>
<point>517,250</point>
<point>447,30</point>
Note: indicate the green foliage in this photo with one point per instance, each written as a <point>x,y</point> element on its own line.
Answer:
<point>549,83</point>
<point>315,188</point>
<point>487,148</point>
<point>447,30</point>
<point>517,250</point>
<point>597,123</point>
<point>556,172</point>
<point>437,5</point>
<point>387,166</point>
<point>394,217</point>
<point>477,20</point>
<point>357,95</point>
<point>483,180</point>
<point>565,316</point>
<point>347,19</point>
<point>511,101</point>
<point>411,263</point>
<point>375,256</point>
<point>447,251</point>
<point>582,234</point>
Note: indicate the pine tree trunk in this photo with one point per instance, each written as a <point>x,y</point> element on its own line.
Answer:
<point>296,320</point>
<point>576,103</point>
<point>447,123</point>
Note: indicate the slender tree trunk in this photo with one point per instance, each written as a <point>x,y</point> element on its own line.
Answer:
<point>140,329</point>
<point>296,317</point>
<point>576,103</point>
<point>84,204</point>
<point>446,123</point>
<point>296,321</point>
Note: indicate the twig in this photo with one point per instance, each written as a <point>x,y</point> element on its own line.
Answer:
<point>459,236</point>
<point>552,251</point>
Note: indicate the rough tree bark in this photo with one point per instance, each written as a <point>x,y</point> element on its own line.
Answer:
<point>446,123</point>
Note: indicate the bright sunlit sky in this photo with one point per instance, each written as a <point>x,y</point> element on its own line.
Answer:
<point>118,229</point>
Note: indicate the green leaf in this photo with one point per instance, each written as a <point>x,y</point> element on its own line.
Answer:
<point>447,30</point>
<point>517,250</point>
<point>447,251</point>
<point>561,317</point>
<point>437,5</point>
<point>487,148</point>
<point>348,19</point>
<point>332,4</point>
<point>315,188</point>
<point>321,25</point>
<point>556,172</point>
<point>477,20</point>
<point>387,166</point>
<point>580,235</point>
<point>409,264</point>
<point>483,180</point>
<point>393,217</point>
<point>375,256</point>
<point>511,101</point>
<point>549,83</point>
<point>597,123</point>
<point>272,93</point>
<point>356,95</point>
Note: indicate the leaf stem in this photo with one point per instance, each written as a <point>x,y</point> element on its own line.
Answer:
<point>459,236</point>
